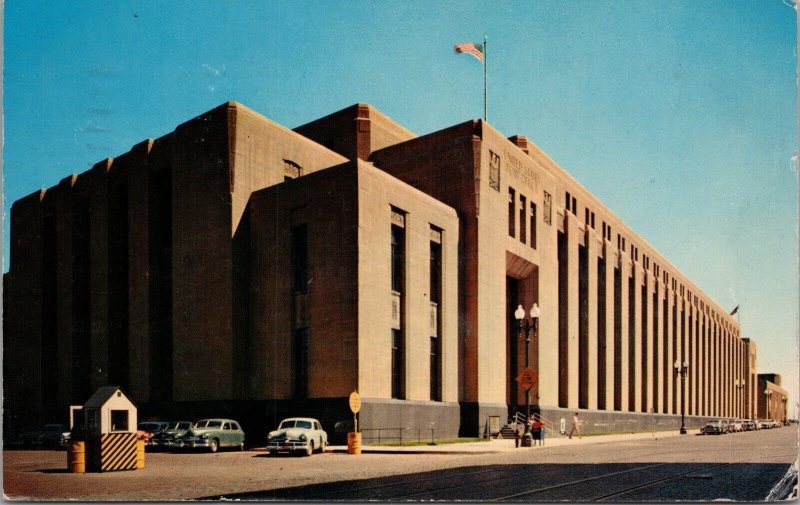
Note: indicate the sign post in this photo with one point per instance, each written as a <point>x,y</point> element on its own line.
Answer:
<point>354,438</point>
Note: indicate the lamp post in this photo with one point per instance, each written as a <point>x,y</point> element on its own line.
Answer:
<point>740,384</point>
<point>681,369</point>
<point>784,410</point>
<point>526,326</point>
<point>767,396</point>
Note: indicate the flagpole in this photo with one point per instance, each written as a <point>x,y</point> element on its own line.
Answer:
<point>485,64</point>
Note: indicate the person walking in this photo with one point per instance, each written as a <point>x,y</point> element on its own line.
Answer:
<point>575,426</point>
<point>516,436</point>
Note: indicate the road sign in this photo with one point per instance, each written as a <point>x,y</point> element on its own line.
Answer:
<point>527,378</point>
<point>355,402</point>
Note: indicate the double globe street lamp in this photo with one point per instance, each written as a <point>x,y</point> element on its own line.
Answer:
<point>526,325</point>
<point>740,384</point>
<point>682,369</point>
<point>767,396</point>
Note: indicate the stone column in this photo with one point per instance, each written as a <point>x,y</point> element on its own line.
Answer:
<point>658,336</point>
<point>636,272</point>
<point>649,362</point>
<point>98,274</point>
<point>591,354</point>
<point>669,357</point>
<point>610,258</point>
<point>572,227</point>
<point>624,342</point>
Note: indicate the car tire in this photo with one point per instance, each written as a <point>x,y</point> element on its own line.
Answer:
<point>214,445</point>
<point>273,453</point>
<point>321,447</point>
<point>310,448</point>
<point>241,446</point>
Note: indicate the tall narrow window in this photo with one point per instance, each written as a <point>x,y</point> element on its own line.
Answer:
<point>512,212</point>
<point>435,315</point>
<point>522,218</point>
<point>568,200</point>
<point>533,225</point>
<point>300,258</point>
<point>299,255</point>
<point>300,351</point>
<point>398,284</point>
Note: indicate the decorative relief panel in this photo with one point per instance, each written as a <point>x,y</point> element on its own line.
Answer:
<point>434,320</point>
<point>547,209</point>
<point>494,170</point>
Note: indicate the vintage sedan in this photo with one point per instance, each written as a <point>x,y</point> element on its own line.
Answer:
<point>174,431</point>
<point>213,434</point>
<point>718,427</point>
<point>298,435</point>
<point>147,429</point>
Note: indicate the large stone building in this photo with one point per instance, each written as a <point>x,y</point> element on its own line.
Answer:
<point>235,267</point>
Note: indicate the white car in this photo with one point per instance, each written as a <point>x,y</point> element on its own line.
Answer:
<point>297,435</point>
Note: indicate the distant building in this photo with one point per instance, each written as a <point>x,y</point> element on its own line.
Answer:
<point>237,268</point>
<point>772,398</point>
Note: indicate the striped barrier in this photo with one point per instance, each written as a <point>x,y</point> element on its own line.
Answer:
<point>114,451</point>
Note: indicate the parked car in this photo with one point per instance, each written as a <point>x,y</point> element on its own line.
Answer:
<point>174,430</point>
<point>213,434</point>
<point>735,426</point>
<point>147,429</point>
<point>302,435</point>
<point>717,427</point>
<point>51,436</point>
<point>749,425</point>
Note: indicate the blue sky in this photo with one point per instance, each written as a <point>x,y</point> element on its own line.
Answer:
<point>681,116</point>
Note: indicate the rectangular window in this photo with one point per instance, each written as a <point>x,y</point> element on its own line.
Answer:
<point>300,352</point>
<point>512,212</point>
<point>586,216</point>
<point>299,244</point>
<point>119,420</point>
<point>592,224</point>
<point>568,200</point>
<point>436,315</point>
<point>523,214</point>
<point>574,206</point>
<point>398,285</point>
<point>533,225</point>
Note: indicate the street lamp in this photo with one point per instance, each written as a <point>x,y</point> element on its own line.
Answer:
<point>526,326</point>
<point>682,369</point>
<point>767,395</point>
<point>784,410</point>
<point>740,384</point>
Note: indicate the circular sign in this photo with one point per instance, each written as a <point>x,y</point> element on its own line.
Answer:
<point>355,402</point>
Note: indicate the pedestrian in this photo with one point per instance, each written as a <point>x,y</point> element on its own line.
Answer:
<point>516,437</point>
<point>575,426</point>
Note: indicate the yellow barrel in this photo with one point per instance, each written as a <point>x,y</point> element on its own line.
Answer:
<point>139,454</point>
<point>76,457</point>
<point>354,443</point>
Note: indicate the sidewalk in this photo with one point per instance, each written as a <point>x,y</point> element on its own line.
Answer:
<point>503,445</point>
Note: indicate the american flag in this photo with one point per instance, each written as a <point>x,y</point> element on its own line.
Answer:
<point>475,50</point>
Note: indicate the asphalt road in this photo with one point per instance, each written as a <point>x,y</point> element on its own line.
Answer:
<point>739,467</point>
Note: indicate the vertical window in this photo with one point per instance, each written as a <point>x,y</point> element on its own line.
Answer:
<point>574,206</point>
<point>568,201</point>
<point>586,216</point>
<point>512,212</point>
<point>522,217</point>
<point>299,258</point>
<point>436,315</point>
<point>300,352</point>
<point>398,284</point>
<point>592,215</point>
<point>533,225</point>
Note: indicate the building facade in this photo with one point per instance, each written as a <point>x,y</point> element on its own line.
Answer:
<point>772,398</point>
<point>237,268</point>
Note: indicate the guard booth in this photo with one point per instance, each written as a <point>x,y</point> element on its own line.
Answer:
<point>109,431</point>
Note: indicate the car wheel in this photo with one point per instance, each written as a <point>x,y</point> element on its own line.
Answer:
<point>241,446</point>
<point>214,445</point>
<point>310,448</point>
<point>273,453</point>
<point>321,446</point>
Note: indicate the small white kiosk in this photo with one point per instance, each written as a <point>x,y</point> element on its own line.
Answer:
<point>109,431</point>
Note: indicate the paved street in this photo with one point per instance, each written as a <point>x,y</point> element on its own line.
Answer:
<point>740,466</point>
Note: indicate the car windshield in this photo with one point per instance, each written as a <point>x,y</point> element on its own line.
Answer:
<point>303,424</point>
<point>289,423</point>
<point>183,425</point>
<point>208,423</point>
